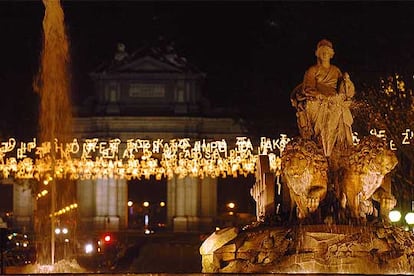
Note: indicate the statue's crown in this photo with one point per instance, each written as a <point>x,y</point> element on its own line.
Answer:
<point>324,42</point>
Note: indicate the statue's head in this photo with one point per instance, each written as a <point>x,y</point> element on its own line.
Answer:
<point>120,47</point>
<point>324,45</point>
<point>300,155</point>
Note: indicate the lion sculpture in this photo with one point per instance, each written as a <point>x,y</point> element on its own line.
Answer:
<point>363,178</point>
<point>305,170</point>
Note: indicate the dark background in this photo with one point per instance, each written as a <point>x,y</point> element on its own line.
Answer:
<point>253,52</point>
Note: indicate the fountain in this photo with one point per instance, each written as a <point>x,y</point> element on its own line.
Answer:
<point>337,193</point>
<point>331,213</point>
<point>53,85</point>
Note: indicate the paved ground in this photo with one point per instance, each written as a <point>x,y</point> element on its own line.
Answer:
<point>156,253</point>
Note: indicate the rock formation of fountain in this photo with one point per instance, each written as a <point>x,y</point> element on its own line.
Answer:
<point>335,195</point>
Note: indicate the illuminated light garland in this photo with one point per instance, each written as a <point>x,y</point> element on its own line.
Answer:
<point>65,210</point>
<point>135,159</point>
<point>142,158</point>
<point>42,194</point>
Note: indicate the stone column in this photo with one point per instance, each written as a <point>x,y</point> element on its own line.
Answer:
<point>86,202</point>
<point>101,196</point>
<point>191,203</point>
<point>177,202</point>
<point>171,201</point>
<point>102,203</point>
<point>112,196</point>
<point>122,199</point>
<point>208,203</point>
<point>22,206</point>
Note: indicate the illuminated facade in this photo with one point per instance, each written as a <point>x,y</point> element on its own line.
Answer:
<point>150,94</point>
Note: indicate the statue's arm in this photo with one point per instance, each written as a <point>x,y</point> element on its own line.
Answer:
<point>347,86</point>
<point>309,83</point>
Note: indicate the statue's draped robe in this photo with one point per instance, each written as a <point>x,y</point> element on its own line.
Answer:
<point>328,107</point>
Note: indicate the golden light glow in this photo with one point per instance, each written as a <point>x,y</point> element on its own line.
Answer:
<point>231,205</point>
<point>141,158</point>
<point>65,209</point>
<point>136,158</point>
<point>41,194</point>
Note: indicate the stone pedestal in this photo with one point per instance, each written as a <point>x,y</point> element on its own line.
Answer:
<point>310,249</point>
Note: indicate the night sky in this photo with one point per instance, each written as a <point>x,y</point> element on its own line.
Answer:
<point>253,53</point>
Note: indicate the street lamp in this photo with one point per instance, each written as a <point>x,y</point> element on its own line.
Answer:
<point>394,216</point>
<point>231,205</point>
<point>409,218</point>
<point>59,232</point>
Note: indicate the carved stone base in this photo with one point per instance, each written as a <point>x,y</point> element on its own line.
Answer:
<point>310,249</point>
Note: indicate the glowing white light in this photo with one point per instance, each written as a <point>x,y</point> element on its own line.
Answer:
<point>145,204</point>
<point>57,231</point>
<point>231,205</point>
<point>88,248</point>
<point>130,203</point>
<point>65,231</point>
<point>409,218</point>
<point>394,215</point>
<point>162,203</point>
<point>146,220</point>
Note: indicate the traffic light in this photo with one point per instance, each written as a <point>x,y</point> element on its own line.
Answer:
<point>107,238</point>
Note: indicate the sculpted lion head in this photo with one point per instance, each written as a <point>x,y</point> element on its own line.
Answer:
<point>372,154</point>
<point>301,154</point>
<point>369,162</point>
<point>304,168</point>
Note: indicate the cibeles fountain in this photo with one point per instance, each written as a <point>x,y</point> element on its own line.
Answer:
<point>336,194</point>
